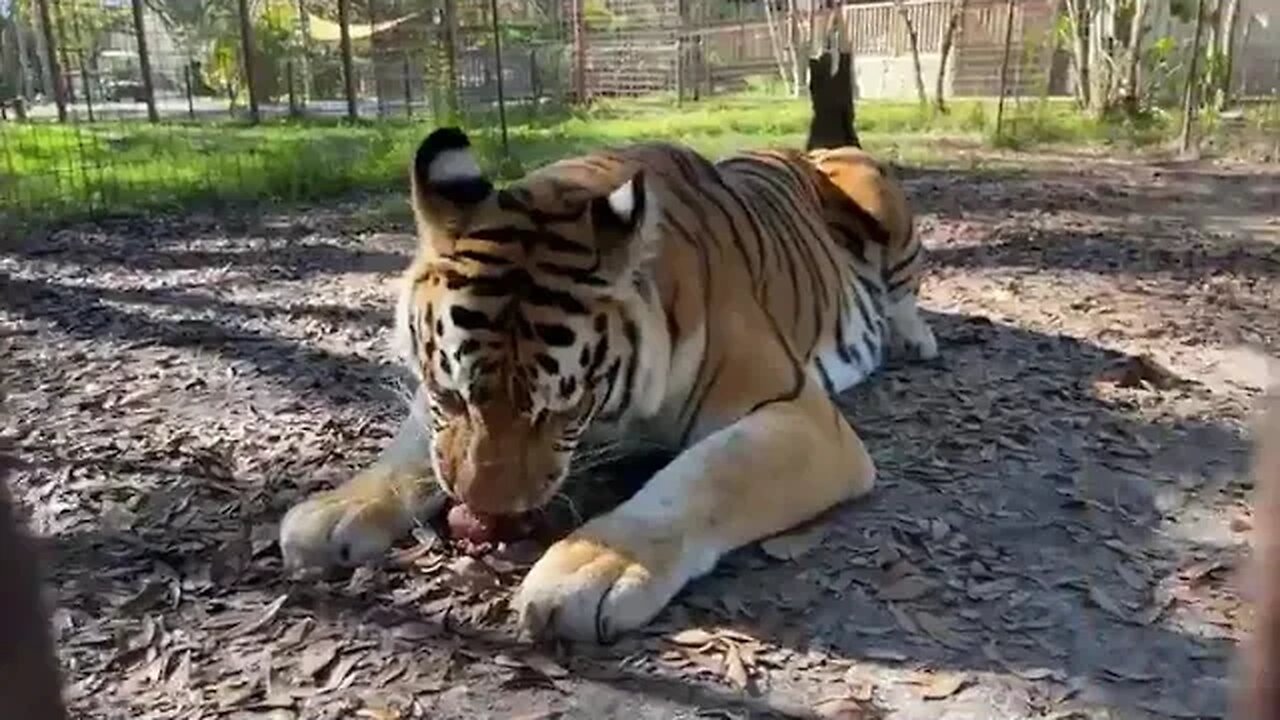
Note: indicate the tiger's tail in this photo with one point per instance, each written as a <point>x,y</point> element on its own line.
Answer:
<point>831,98</point>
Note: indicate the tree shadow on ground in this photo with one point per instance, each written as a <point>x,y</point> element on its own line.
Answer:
<point>1025,507</point>
<point>1101,189</point>
<point>1026,504</point>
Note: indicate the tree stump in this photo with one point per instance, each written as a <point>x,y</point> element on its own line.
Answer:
<point>831,97</point>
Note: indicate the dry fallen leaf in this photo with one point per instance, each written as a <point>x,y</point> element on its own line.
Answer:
<point>903,619</point>
<point>1106,602</point>
<point>940,629</point>
<point>317,656</point>
<point>910,587</point>
<point>373,713</point>
<point>944,685</point>
<point>693,637</point>
<point>263,619</point>
<point>1161,601</point>
<point>734,671</point>
<point>845,708</point>
<point>341,675</point>
<point>884,654</point>
<point>793,545</point>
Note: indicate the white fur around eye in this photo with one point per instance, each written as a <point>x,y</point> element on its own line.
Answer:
<point>452,165</point>
<point>623,200</point>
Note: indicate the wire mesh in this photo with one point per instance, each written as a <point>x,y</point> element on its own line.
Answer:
<point>108,105</point>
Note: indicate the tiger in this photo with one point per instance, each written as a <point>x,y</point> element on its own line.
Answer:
<point>642,291</point>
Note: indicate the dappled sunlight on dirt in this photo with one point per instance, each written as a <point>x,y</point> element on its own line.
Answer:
<point>1062,503</point>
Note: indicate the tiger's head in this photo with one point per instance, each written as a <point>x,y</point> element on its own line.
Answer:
<point>518,318</point>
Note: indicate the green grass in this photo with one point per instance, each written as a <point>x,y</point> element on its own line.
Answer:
<point>53,172</point>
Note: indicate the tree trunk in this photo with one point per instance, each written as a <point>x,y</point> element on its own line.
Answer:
<point>779,53</point>
<point>1133,60</point>
<point>1189,96</point>
<point>1078,12</point>
<point>955,20</point>
<point>797,61</point>
<point>1228,52</point>
<point>913,42</point>
<point>1004,66</point>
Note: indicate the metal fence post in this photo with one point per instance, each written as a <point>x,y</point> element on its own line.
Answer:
<point>348,71</point>
<point>497,59</point>
<point>452,101</point>
<point>408,89</point>
<point>55,69</point>
<point>579,52</point>
<point>246,44</point>
<point>144,62</point>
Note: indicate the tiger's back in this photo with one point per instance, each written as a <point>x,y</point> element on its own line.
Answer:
<point>822,242</point>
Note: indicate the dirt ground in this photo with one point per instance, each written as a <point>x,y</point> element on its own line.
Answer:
<point>1055,533</point>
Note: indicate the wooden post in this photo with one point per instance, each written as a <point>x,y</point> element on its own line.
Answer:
<point>1189,93</point>
<point>497,59</point>
<point>246,45</point>
<point>55,70</point>
<point>144,62</point>
<point>1004,66</point>
<point>348,70</point>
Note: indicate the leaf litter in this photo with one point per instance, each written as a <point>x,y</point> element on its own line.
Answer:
<point>265,375</point>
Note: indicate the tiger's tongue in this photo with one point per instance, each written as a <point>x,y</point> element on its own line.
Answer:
<point>478,526</point>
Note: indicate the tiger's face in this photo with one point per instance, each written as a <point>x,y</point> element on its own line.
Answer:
<point>512,318</point>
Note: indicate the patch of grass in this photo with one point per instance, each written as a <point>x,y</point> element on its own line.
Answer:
<point>55,172</point>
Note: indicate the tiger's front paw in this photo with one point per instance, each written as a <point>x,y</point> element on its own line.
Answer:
<point>589,590</point>
<point>354,524</point>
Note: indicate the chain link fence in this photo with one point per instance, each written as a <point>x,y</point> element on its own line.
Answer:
<point>108,104</point>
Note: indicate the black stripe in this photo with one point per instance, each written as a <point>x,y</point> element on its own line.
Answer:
<point>554,335</point>
<point>478,256</point>
<point>915,253</point>
<point>632,334</point>
<point>578,275</point>
<point>826,379</point>
<point>548,297</point>
<point>469,319</point>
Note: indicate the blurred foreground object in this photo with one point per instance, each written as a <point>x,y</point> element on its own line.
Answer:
<point>30,684</point>
<point>1259,691</point>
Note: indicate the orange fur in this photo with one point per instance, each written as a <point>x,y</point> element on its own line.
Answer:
<point>638,292</point>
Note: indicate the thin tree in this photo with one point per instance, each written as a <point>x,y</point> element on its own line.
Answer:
<point>1004,66</point>
<point>913,41</point>
<point>1133,58</point>
<point>955,22</point>
<point>1189,95</point>
<point>1079,13</point>
<point>1228,50</point>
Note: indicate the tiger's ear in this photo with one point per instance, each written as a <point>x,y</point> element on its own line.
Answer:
<point>447,187</point>
<point>618,223</point>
